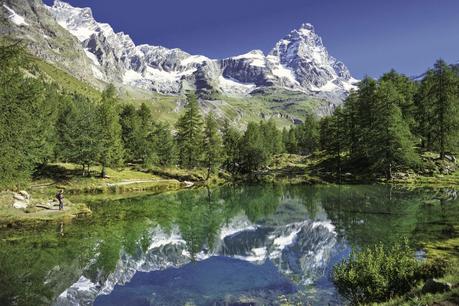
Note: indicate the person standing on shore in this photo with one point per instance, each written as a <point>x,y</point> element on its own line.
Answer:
<point>60,198</point>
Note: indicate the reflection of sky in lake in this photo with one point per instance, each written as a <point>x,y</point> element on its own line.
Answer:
<point>263,244</point>
<point>286,252</point>
<point>216,279</point>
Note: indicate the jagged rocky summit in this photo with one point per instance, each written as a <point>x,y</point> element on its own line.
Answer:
<point>298,62</point>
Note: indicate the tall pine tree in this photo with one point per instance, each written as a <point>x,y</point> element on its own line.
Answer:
<point>391,141</point>
<point>26,118</point>
<point>213,145</point>
<point>231,139</point>
<point>190,134</point>
<point>78,132</point>
<point>109,136</point>
<point>444,95</point>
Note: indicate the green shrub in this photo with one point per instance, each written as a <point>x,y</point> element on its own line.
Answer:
<point>378,273</point>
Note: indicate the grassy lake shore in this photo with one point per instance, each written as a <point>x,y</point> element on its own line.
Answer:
<point>283,169</point>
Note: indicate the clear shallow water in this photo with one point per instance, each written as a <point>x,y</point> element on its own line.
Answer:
<point>230,245</point>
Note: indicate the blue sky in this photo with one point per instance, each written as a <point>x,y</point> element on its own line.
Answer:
<point>369,36</point>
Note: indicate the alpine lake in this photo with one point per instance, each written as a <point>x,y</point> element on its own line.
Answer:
<point>231,245</point>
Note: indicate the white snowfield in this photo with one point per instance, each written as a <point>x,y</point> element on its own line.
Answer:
<point>297,62</point>
<point>14,17</point>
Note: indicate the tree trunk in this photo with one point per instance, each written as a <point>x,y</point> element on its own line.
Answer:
<point>103,171</point>
<point>389,172</point>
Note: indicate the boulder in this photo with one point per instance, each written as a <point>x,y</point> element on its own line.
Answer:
<point>21,200</point>
<point>435,286</point>
<point>19,197</point>
<point>20,204</point>
<point>188,184</point>
<point>25,194</point>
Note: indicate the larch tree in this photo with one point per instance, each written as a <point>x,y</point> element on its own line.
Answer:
<point>190,134</point>
<point>444,95</point>
<point>231,139</point>
<point>109,131</point>
<point>213,145</point>
<point>391,141</point>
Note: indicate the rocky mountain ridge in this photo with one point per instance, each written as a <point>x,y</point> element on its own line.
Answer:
<point>298,62</point>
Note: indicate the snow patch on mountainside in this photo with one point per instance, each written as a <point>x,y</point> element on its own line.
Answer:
<point>280,70</point>
<point>297,62</point>
<point>92,57</point>
<point>14,17</point>
<point>234,87</point>
<point>194,59</point>
<point>255,57</point>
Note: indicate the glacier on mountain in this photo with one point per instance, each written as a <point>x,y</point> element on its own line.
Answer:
<point>298,62</point>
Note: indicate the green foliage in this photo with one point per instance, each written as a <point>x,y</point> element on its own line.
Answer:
<point>272,137</point>
<point>77,132</point>
<point>27,115</point>
<point>304,138</point>
<point>165,151</point>
<point>438,107</point>
<point>190,134</point>
<point>253,152</point>
<point>137,127</point>
<point>391,141</point>
<point>213,145</point>
<point>377,273</point>
<point>332,136</point>
<point>406,90</point>
<point>308,135</point>
<point>382,124</point>
<point>130,124</point>
<point>231,139</point>
<point>109,130</point>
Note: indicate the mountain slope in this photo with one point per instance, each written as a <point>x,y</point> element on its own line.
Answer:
<point>295,77</point>
<point>31,21</point>
<point>298,62</point>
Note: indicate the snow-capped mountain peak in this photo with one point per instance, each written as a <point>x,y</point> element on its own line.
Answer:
<point>297,62</point>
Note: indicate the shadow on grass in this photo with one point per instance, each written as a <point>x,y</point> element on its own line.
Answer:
<point>58,173</point>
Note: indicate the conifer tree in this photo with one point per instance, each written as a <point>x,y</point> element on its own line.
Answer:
<point>253,153</point>
<point>444,95</point>
<point>272,137</point>
<point>407,90</point>
<point>332,136</point>
<point>26,118</point>
<point>350,133</point>
<point>190,134</point>
<point>213,145</point>
<point>109,136</point>
<point>365,118</point>
<point>130,124</point>
<point>78,132</point>
<point>391,141</point>
<point>308,135</point>
<point>145,148</point>
<point>231,139</point>
<point>163,144</point>
<point>424,115</point>
<point>291,145</point>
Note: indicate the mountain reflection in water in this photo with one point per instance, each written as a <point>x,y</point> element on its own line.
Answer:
<point>253,244</point>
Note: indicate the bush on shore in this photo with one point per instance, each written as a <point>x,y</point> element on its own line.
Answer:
<point>379,273</point>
